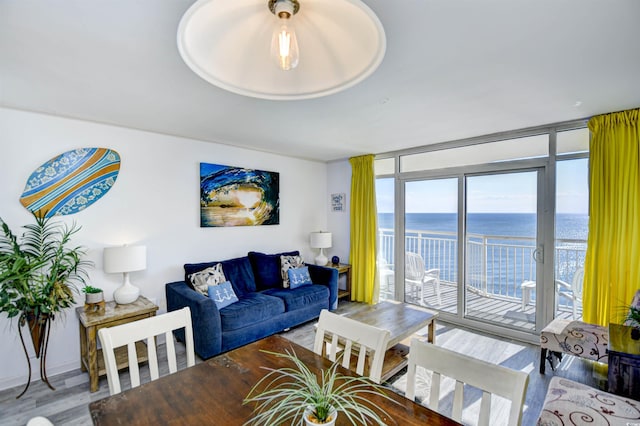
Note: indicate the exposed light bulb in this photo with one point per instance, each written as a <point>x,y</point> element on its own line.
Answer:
<point>284,43</point>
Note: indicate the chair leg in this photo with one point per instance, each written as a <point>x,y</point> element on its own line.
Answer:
<point>543,359</point>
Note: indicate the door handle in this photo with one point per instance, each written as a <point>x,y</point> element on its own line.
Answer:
<point>538,254</point>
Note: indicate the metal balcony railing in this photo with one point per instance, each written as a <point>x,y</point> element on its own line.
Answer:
<point>496,265</point>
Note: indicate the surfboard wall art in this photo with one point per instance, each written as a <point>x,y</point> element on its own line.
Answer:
<point>71,182</point>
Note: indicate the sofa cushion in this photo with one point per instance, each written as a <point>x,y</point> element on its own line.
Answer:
<point>286,263</point>
<point>239,272</point>
<point>300,297</point>
<point>251,309</point>
<point>201,280</point>
<point>266,268</point>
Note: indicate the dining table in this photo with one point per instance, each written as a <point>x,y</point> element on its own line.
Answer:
<point>212,392</point>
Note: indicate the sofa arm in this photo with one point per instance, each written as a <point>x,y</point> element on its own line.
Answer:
<point>205,317</point>
<point>326,276</point>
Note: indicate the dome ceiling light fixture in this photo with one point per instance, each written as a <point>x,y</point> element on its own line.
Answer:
<point>281,49</point>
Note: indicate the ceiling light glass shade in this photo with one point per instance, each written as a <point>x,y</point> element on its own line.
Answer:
<point>227,43</point>
<point>284,43</point>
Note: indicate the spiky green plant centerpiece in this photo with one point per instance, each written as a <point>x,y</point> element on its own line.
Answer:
<point>285,394</point>
<point>38,276</point>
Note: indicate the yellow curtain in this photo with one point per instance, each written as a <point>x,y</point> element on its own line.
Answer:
<point>612,264</point>
<point>364,228</point>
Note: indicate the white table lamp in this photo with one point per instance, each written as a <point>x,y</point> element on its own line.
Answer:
<point>321,240</point>
<point>125,259</point>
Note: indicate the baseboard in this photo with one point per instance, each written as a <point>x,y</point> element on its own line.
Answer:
<point>11,382</point>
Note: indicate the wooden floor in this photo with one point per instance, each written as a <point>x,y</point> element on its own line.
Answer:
<point>68,404</point>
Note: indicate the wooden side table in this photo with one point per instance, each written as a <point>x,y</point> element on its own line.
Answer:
<point>343,268</point>
<point>91,358</point>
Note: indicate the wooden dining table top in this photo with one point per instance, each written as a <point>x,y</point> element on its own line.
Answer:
<point>211,393</point>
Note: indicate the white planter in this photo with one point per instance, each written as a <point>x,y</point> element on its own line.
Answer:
<point>333,415</point>
<point>94,297</point>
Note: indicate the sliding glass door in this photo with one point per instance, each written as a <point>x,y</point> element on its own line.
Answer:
<point>502,246</point>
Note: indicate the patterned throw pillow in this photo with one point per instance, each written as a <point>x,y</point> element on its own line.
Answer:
<point>299,277</point>
<point>288,262</point>
<point>203,279</point>
<point>222,294</point>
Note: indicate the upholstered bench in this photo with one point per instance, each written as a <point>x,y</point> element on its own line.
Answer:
<point>576,338</point>
<point>571,403</point>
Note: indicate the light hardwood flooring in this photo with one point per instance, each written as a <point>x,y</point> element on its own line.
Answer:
<point>68,404</point>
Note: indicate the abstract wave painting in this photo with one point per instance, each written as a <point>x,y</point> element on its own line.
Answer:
<point>71,182</point>
<point>233,196</point>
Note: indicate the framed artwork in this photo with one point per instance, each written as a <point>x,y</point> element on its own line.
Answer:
<point>338,202</point>
<point>234,196</point>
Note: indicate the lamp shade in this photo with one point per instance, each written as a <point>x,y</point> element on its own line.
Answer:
<point>228,44</point>
<point>125,259</point>
<point>320,239</point>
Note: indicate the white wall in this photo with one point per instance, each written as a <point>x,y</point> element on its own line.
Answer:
<point>339,181</point>
<point>155,202</point>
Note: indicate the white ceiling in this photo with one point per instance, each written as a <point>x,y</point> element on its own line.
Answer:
<point>453,69</point>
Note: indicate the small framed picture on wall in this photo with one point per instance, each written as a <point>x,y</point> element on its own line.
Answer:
<point>338,202</point>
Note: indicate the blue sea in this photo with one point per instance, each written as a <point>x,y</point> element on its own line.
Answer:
<point>568,226</point>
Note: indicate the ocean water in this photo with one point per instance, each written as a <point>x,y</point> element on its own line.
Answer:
<point>568,226</point>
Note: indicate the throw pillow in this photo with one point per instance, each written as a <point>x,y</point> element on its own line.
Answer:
<point>286,263</point>
<point>203,279</point>
<point>222,294</point>
<point>299,277</point>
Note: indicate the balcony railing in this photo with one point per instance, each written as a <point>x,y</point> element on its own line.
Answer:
<point>496,265</point>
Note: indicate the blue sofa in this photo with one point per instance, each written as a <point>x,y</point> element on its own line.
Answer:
<point>264,306</point>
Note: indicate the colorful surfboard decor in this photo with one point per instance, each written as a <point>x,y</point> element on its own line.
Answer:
<point>71,182</point>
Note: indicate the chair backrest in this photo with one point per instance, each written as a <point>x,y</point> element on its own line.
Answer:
<point>490,378</point>
<point>347,333</point>
<point>576,283</point>
<point>145,330</point>
<point>413,266</point>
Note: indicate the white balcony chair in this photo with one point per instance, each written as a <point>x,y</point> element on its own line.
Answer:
<point>347,333</point>
<point>572,291</point>
<point>490,378</point>
<point>145,330</point>
<point>417,276</point>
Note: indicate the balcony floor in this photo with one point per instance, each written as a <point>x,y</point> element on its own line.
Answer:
<point>487,308</point>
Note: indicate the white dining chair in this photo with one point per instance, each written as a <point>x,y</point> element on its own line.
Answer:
<point>348,334</point>
<point>145,330</point>
<point>490,378</point>
<point>417,276</point>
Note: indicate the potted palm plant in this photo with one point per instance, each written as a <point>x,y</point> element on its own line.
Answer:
<point>293,395</point>
<point>38,276</point>
<point>633,320</point>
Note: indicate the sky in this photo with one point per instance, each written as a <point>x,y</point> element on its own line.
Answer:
<point>503,193</point>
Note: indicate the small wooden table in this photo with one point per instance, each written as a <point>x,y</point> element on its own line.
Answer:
<point>343,268</point>
<point>403,321</point>
<point>211,393</point>
<point>91,358</point>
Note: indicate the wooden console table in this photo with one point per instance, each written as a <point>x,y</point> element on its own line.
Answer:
<point>91,358</point>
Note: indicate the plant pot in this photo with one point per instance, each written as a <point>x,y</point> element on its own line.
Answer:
<point>94,297</point>
<point>308,415</point>
<point>38,330</point>
<point>635,333</point>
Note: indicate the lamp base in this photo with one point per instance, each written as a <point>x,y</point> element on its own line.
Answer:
<point>321,259</point>
<point>126,293</point>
